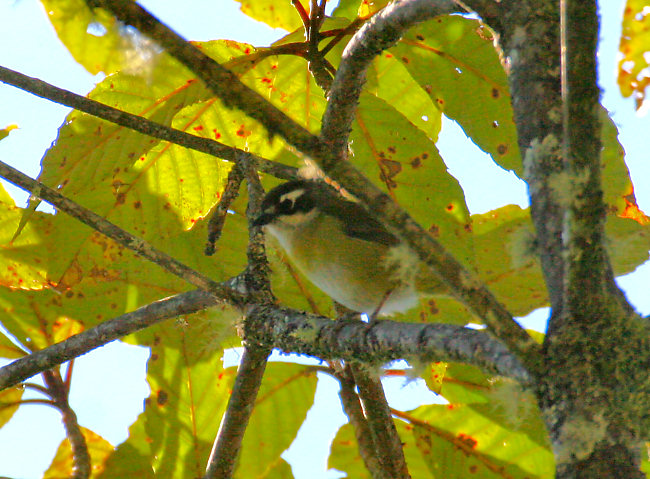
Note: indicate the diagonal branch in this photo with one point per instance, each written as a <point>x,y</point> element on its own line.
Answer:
<point>137,123</point>
<point>117,234</point>
<point>225,84</point>
<point>381,32</point>
<point>84,342</point>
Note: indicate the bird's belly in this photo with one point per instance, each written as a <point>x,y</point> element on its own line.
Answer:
<point>371,292</point>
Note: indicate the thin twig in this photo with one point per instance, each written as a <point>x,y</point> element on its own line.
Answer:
<point>218,218</point>
<point>136,123</point>
<point>80,456</point>
<point>318,66</point>
<point>250,373</point>
<point>35,387</point>
<point>349,30</point>
<point>119,235</point>
<point>84,342</point>
<point>304,16</point>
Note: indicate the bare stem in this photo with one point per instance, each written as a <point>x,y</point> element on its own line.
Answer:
<point>84,342</point>
<point>254,358</point>
<point>80,456</point>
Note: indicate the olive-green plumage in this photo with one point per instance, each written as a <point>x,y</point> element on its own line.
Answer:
<point>343,250</point>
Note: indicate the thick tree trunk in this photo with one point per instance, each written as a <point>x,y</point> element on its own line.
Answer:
<point>593,388</point>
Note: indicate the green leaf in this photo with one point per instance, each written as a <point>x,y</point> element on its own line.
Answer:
<point>132,458</point>
<point>276,14</point>
<point>434,376</point>
<point>464,384</point>
<point>9,403</point>
<point>458,442</point>
<point>98,448</point>
<point>506,259</point>
<point>30,260</point>
<point>189,392</point>
<point>401,158</point>
<point>344,455</point>
<point>4,132</point>
<point>286,394</point>
<point>94,37</point>
<point>392,82</point>
<point>285,81</point>
<point>8,348</point>
<point>455,62</point>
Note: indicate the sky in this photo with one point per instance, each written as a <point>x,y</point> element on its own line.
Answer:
<point>108,385</point>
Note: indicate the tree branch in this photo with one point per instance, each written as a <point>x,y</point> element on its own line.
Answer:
<point>80,456</point>
<point>596,349</point>
<point>82,343</point>
<point>587,266</point>
<point>387,443</point>
<point>381,32</point>
<point>138,123</point>
<point>294,331</point>
<point>117,234</point>
<point>352,408</point>
<point>250,373</point>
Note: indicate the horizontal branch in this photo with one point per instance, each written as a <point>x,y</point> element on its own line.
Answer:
<point>82,343</point>
<point>117,234</point>
<point>293,332</point>
<point>382,341</point>
<point>137,123</point>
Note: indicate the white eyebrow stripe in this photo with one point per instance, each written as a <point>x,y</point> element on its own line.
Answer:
<point>292,196</point>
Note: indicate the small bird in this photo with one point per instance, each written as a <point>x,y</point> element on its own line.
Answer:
<point>343,250</point>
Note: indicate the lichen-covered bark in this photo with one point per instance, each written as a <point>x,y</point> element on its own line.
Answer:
<point>593,391</point>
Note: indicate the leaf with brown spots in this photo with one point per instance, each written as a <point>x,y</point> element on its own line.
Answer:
<point>460,442</point>
<point>384,144</point>
<point>455,62</point>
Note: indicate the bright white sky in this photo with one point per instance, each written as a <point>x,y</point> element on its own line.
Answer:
<point>108,386</point>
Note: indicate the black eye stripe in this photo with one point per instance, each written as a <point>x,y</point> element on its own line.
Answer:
<point>290,198</point>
